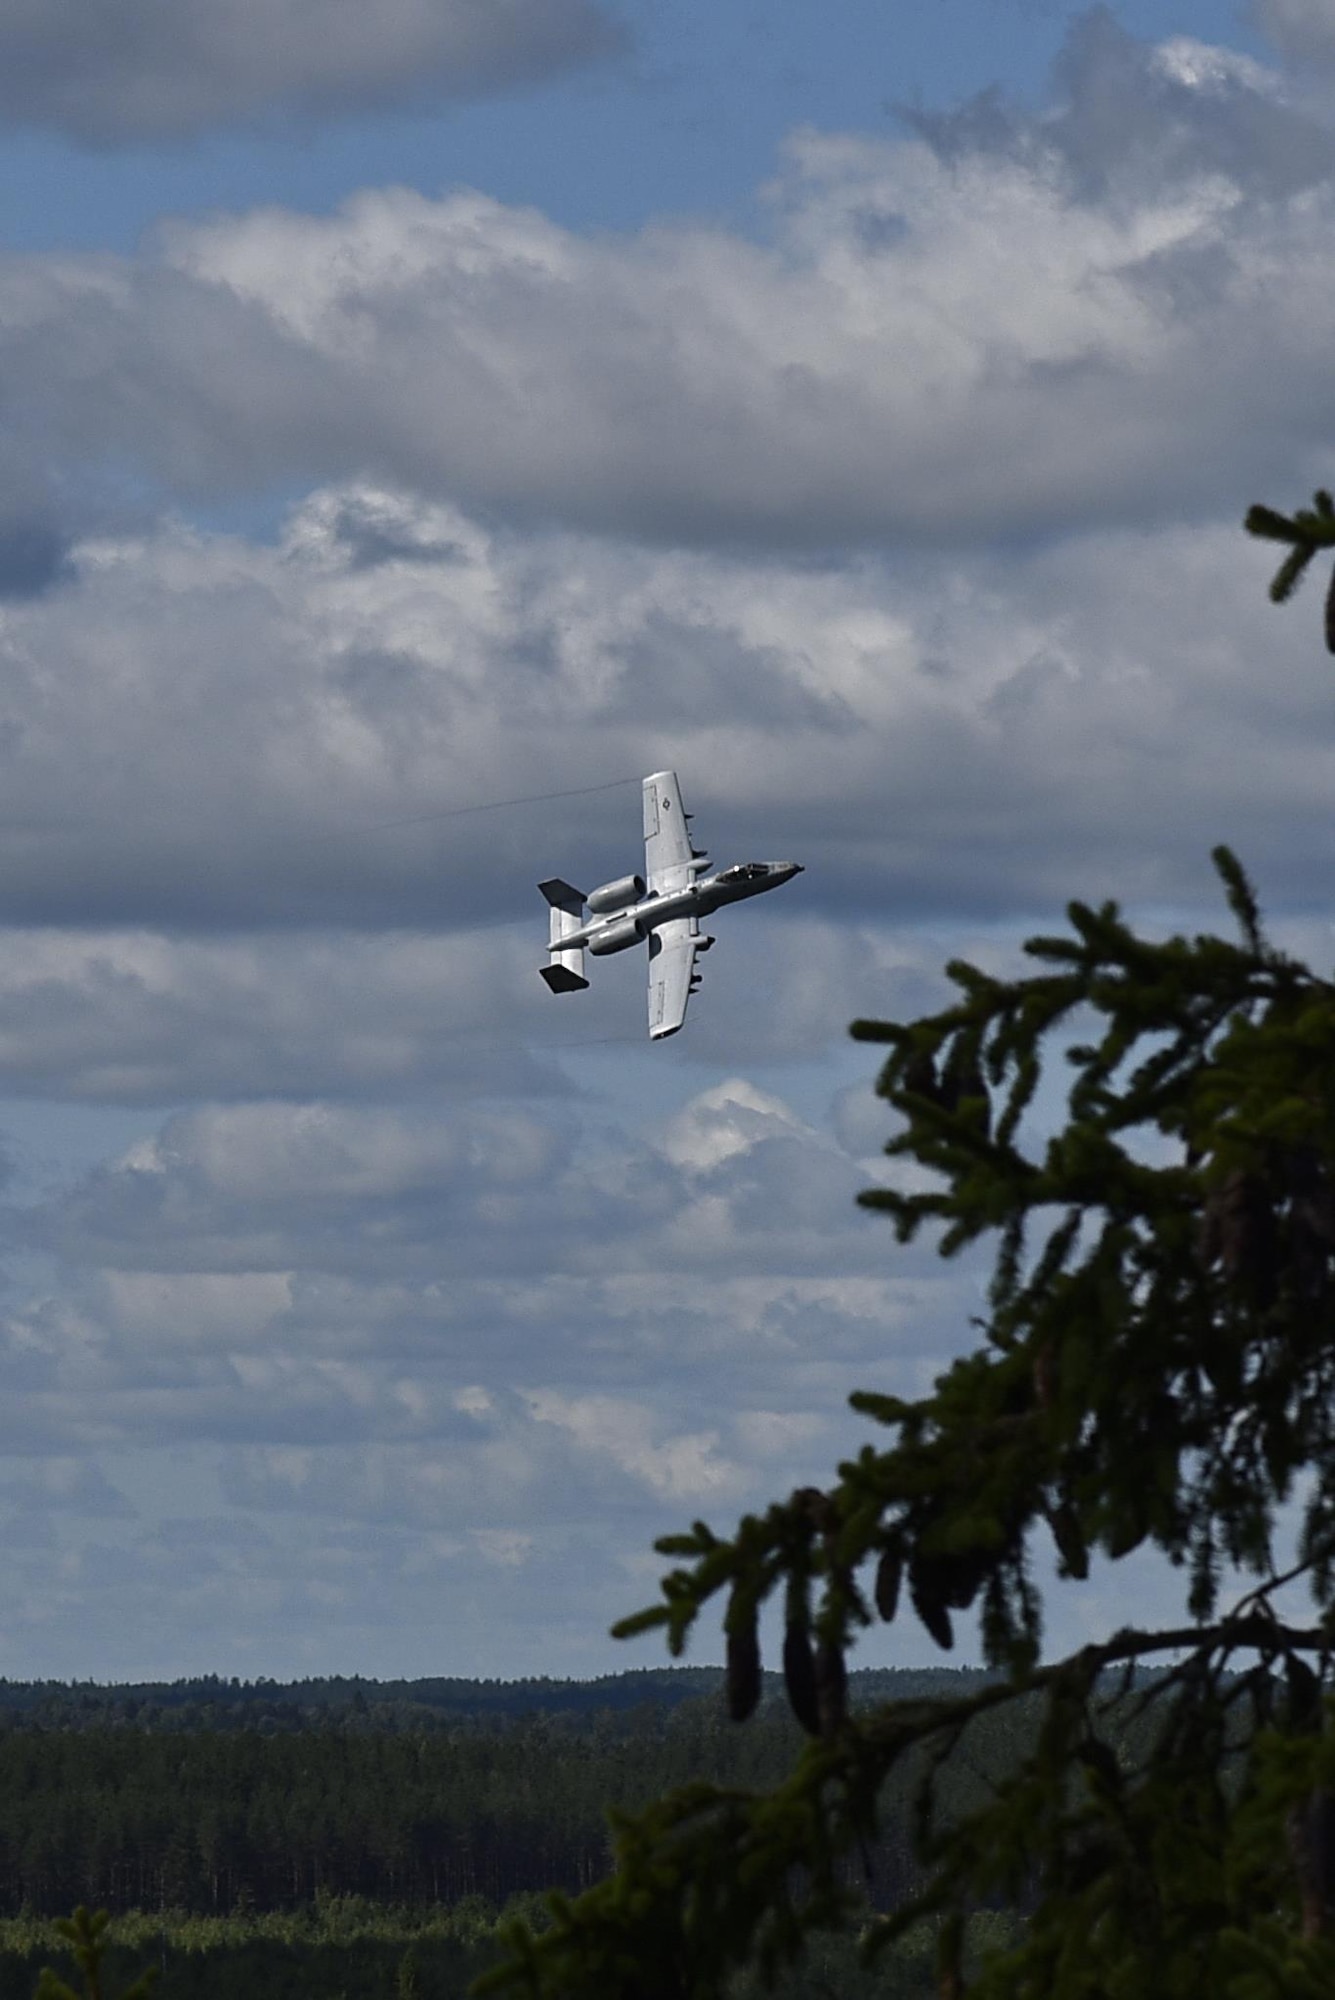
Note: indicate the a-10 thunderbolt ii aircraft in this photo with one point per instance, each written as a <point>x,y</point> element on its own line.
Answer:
<point>662,908</point>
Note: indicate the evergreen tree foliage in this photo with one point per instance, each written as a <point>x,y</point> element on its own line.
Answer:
<point>86,1934</point>
<point>1310,529</point>
<point>336,1949</point>
<point>1156,1371</point>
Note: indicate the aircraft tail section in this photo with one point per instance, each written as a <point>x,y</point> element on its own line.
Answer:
<point>565,973</point>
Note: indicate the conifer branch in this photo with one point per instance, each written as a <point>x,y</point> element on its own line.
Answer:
<point>1307,532</point>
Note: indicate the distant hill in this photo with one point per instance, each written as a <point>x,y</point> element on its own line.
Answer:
<point>210,1702</point>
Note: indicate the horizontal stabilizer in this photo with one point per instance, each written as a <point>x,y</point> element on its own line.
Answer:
<point>562,896</point>
<point>561,979</point>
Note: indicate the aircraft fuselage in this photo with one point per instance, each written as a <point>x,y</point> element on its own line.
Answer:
<point>621,929</point>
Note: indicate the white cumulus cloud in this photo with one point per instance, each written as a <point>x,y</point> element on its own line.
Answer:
<point>993,326</point>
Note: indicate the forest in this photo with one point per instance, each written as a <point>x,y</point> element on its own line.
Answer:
<point>271,1798</point>
<point>353,1839</point>
<point>359,1838</point>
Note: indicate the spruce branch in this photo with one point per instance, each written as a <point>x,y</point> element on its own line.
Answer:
<point>1307,532</point>
<point>86,1934</point>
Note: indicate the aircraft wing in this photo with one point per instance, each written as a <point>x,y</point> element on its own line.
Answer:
<point>667,837</point>
<point>672,949</point>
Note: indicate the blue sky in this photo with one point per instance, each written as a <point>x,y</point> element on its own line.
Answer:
<point>851,407</point>
<point>686,118</point>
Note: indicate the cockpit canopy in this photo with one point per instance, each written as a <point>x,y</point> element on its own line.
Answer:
<point>745,871</point>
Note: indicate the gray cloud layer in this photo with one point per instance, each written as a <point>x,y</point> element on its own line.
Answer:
<point>131,70</point>
<point>201,733</point>
<point>1304,30</point>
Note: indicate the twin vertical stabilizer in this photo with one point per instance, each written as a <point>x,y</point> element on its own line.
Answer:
<point>565,974</point>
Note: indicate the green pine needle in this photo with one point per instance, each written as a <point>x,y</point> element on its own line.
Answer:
<point>1289,574</point>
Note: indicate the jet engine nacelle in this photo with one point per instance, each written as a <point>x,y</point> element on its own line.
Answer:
<point>615,896</point>
<point>619,936</point>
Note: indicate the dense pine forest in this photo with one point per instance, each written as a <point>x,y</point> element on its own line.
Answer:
<point>345,1837</point>
<point>207,1797</point>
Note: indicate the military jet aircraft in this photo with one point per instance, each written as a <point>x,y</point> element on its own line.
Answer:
<point>662,908</point>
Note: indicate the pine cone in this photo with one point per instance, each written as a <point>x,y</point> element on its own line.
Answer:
<point>744,1679</point>
<point>886,1591</point>
<point>799,1677</point>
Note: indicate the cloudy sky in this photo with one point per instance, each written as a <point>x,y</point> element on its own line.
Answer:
<point>410,412</point>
